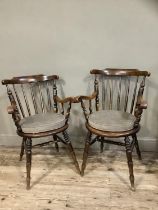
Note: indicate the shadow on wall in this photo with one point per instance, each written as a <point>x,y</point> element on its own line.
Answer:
<point>152,86</point>
<point>7,127</point>
<point>153,4</point>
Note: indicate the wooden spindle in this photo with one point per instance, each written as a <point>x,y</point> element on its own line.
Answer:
<point>55,94</point>
<point>18,100</point>
<point>33,99</point>
<point>26,101</point>
<point>138,111</point>
<point>96,88</point>
<point>111,93</point>
<point>68,112</point>
<point>15,115</point>
<point>127,87</point>
<point>41,97</point>
<point>103,93</point>
<point>62,108</point>
<point>48,96</point>
<point>134,95</point>
<point>90,106</point>
<point>119,94</point>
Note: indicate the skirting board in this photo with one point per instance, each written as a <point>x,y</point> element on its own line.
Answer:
<point>146,144</point>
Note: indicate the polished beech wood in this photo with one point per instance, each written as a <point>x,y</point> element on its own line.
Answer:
<point>86,150</point>
<point>33,94</point>
<point>29,79</point>
<point>22,148</point>
<point>118,89</point>
<point>42,134</point>
<point>112,134</point>
<point>129,161</point>
<point>120,72</point>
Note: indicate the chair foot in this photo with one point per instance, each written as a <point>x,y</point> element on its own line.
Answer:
<point>28,161</point>
<point>85,154</point>
<point>133,189</point>
<point>28,183</point>
<point>71,151</point>
<point>22,149</point>
<point>82,172</point>
<point>131,178</point>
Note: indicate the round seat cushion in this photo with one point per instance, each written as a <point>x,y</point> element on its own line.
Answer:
<point>42,122</point>
<point>112,120</point>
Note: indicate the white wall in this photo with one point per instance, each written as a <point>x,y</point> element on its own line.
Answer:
<point>69,37</point>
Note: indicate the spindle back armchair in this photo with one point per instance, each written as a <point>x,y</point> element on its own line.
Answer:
<point>37,112</point>
<point>114,110</point>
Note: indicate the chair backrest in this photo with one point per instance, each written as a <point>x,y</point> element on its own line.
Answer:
<point>118,89</point>
<point>32,94</point>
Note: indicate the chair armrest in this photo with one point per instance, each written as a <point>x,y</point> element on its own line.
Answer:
<point>65,100</point>
<point>68,100</point>
<point>140,105</point>
<point>83,97</point>
<point>143,104</point>
<point>11,109</point>
<point>76,99</point>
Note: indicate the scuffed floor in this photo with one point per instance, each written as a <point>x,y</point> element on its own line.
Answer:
<point>55,185</point>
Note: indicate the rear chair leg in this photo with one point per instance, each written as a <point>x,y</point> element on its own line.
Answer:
<point>85,154</point>
<point>101,145</point>
<point>28,149</point>
<point>71,151</point>
<point>137,146</point>
<point>56,143</point>
<point>129,161</point>
<point>22,148</point>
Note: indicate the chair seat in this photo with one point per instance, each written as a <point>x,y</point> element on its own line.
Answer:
<point>42,122</point>
<point>112,120</point>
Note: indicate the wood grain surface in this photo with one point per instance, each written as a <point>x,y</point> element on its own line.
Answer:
<point>57,186</point>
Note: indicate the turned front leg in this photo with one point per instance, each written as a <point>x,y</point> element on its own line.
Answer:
<point>28,161</point>
<point>129,161</point>
<point>71,150</point>
<point>22,148</point>
<point>85,154</point>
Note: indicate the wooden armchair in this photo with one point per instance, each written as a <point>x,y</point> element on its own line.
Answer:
<point>37,112</point>
<point>118,104</point>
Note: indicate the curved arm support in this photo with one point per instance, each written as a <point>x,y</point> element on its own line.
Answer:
<point>82,98</point>
<point>68,100</point>
<point>140,104</point>
<point>12,109</point>
<point>143,104</point>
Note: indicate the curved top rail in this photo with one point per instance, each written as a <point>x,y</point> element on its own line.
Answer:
<point>120,72</point>
<point>29,76</point>
<point>29,79</point>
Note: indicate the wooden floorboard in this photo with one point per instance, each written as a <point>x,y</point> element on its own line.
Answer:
<point>55,184</point>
